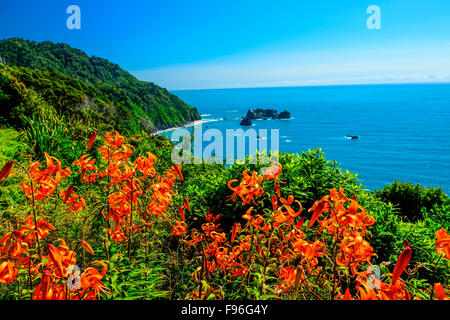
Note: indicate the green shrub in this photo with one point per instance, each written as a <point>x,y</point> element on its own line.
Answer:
<point>308,177</point>
<point>410,199</point>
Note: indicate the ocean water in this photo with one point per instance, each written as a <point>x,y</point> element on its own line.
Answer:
<point>403,130</point>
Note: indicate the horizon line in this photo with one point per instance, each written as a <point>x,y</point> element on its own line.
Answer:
<point>317,85</point>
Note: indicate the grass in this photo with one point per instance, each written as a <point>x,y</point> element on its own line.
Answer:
<point>11,146</point>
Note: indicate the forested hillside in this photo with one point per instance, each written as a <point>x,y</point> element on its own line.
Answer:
<point>77,85</point>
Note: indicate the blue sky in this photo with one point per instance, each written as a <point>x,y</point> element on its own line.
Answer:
<point>220,44</point>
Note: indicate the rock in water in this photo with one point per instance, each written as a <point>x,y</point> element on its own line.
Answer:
<point>257,114</point>
<point>246,121</point>
<point>261,114</point>
<point>252,114</point>
<point>284,115</point>
<point>270,113</point>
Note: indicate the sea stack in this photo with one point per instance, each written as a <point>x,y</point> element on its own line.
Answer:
<point>246,121</point>
<point>265,114</point>
<point>254,114</point>
<point>251,115</point>
<point>284,115</point>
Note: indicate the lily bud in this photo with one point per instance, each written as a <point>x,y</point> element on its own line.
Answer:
<point>5,170</point>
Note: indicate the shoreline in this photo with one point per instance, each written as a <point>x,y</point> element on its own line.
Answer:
<point>187,125</point>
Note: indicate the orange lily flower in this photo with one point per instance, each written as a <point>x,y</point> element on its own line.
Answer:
<point>274,202</point>
<point>45,180</point>
<point>181,212</point>
<point>177,170</point>
<point>74,200</point>
<point>117,236</point>
<point>123,152</point>
<point>347,295</point>
<point>92,139</point>
<point>249,187</point>
<point>443,243</point>
<point>91,283</point>
<point>178,228</point>
<point>281,216</point>
<point>439,292</point>
<point>8,271</point>
<point>258,222</point>
<point>218,237</point>
<point>290,276</point>
<point>47,290</point>
<point>85,163</point>
<point>60,258</point>
<point>43,228</point>
<point>309,250</point>
<point>87,247</point>
<point>318,207</point>
<point>354,250</point>
<point>145,165</point>
<point>273,171</point>
<point>365,290</point>
<point>236,228</point>
<point>56,258</point>
<point>209,217</point>
<point>186,204</point>
<point>402,262</point>
<point>114,139</point>
<point>68,193</point>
